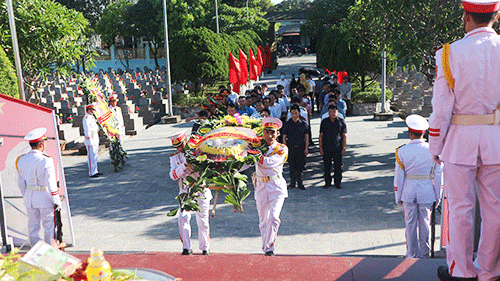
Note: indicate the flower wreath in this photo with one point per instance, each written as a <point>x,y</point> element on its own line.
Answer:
<point>217,153</point>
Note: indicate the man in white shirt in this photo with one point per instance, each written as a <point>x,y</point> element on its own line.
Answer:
<point>233,96</point>
<point>285,83</point>
<point>345,94</point>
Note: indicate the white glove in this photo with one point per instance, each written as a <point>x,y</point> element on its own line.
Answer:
<point>57,202</point>
<point>437,160</point>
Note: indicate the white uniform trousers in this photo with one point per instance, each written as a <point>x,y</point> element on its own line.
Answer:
<point>459,187</point>
<point>46,216</point>
<point>92,153</point>
<point>269,221</point>
<point>417,216</point>
<point>203,226</point>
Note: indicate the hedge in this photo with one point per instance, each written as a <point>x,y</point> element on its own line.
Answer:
<point>8,79</point>
<point>201,55</point>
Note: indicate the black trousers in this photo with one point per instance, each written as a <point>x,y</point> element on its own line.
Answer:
<point>336,157</point>
<point>296,161</point>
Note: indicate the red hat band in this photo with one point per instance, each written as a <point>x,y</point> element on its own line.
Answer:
<point>271,125</point>
<point>416,131</point>
<point>481,9</point>
<point>38,139</point>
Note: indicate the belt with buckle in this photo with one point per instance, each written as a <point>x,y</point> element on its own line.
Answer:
<point>489,119</point>
<point>36,188</point>
<point>268,178</point>
<point>419,177</point>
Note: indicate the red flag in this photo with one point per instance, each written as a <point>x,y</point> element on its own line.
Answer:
<point>234,72</point>
<point>243,68</point>
<point>260,59</point>
<point>254,66</point>
<point>341,75</point>
<point>268,62</point>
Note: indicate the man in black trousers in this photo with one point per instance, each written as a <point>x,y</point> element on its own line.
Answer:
<point>332,142</point>
<point>296,137</point>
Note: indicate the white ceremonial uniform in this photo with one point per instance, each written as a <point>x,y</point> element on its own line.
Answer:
<point>178,166</point>
<point>417,194</point>
<point>118,115</point>
<point>270,192</point>
<point>471,152</point>
<point>91,130</point>
<point>38,184</point>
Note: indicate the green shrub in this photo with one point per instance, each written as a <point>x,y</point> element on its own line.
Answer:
<point>186,100</point>
<point>8,78</point>
<point>371,95</point>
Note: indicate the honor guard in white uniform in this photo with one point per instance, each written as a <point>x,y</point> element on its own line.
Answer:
<point>38,184</point>
<point>270,185</point>
<point>464,133</point>
<point>117,115</point>
<point>179,170</point>
<point>91,130</point>
<point>417,185</point>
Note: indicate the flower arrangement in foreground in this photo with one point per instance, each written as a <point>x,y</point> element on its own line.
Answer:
<point>217,153</point>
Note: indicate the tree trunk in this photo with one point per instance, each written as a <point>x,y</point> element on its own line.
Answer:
<point>363,82</point>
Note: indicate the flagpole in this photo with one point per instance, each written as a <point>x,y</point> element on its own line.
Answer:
<point>17,59</point>
<point>167,58</point>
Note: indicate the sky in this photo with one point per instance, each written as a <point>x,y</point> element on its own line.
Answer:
<point>276,1</point>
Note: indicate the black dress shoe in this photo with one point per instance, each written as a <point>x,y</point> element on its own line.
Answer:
<point>99,174</point>
<point>301,187</point>
<point>444,275</point>
<point>338,186</point>
<point>291,187</point>
<point>94,176</point>
<point>326,186</point>
<point>187,252</point>
<point>206,253</point>
<point>269,254</point>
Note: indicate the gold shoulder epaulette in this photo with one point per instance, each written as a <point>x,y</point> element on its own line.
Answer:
<point>174,154</point>
<point>46,155</point>
<point>17,160</point>
<point>399,160</point>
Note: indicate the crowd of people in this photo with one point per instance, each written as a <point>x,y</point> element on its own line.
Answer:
<point>294,102</point>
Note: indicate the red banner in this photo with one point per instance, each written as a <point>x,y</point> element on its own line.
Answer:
<point>243,68</point>
<point>234,72</point>
<point>259,58</point>
<point>18,118</point>
<point>268,61</point>
<point>254,67</point>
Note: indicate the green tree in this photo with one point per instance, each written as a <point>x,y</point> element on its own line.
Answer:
<point>52,38</point>
<point>262,5</point>
<point>8,80</point>
<point>91,9</point>
<point>113,21</point>
<point>201,55</point>
<point>233,19</point>
<point>412,30</point>
<point>323,15</point>
<point>292,5</point>
<point>142,19</point>
<point>343,50</point>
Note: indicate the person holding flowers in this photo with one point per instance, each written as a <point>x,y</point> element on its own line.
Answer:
<point>270,185</point>
<point>179,171</point>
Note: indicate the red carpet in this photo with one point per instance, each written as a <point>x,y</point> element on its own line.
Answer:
<point>259,267</point>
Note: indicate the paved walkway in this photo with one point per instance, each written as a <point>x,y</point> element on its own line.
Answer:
<point>126,211</point>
